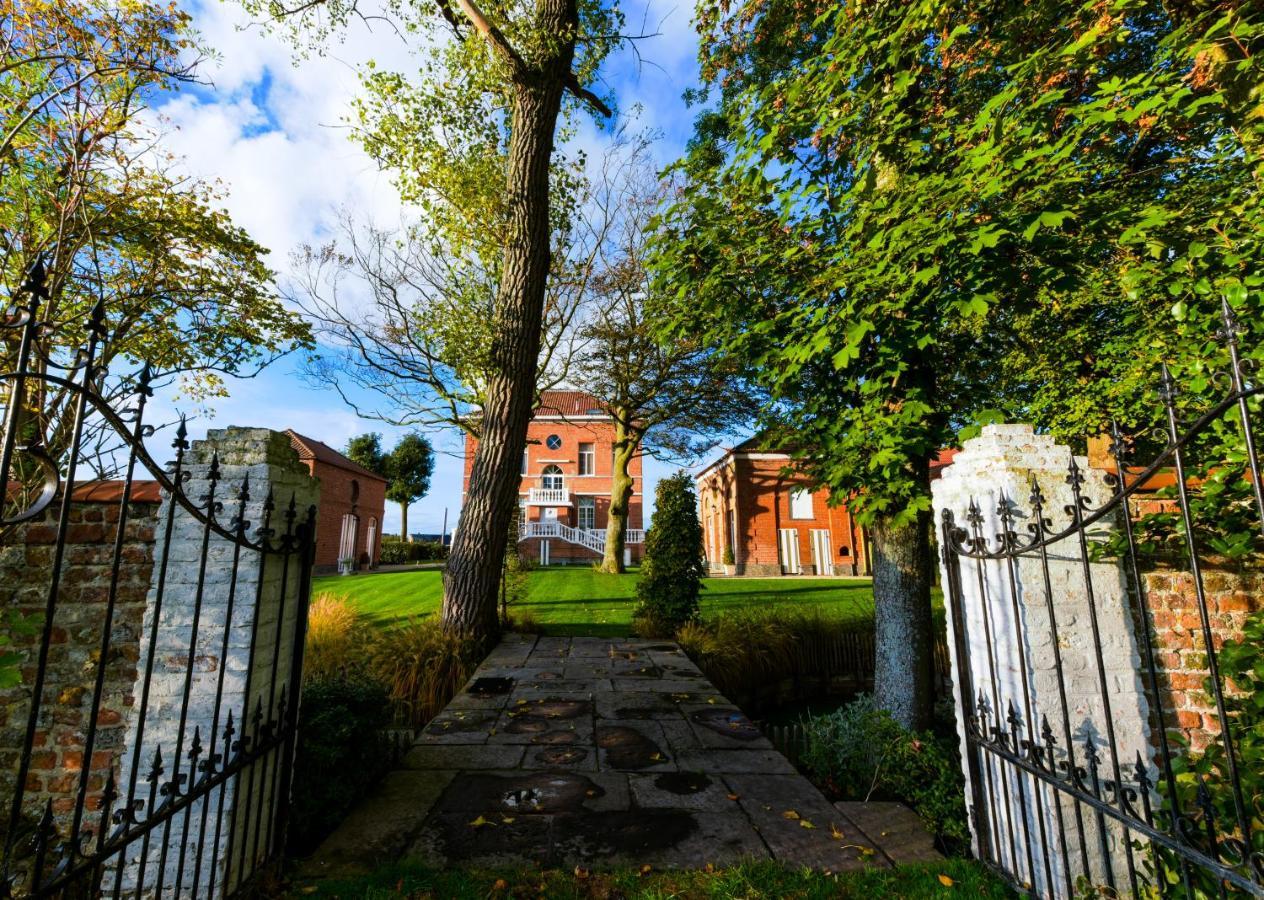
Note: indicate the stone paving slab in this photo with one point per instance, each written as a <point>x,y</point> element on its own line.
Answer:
<point>597,752</point>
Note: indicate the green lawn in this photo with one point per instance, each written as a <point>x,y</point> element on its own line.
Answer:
<point>764,880</point>
<point>579,600</point>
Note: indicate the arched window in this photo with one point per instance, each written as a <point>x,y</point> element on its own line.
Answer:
<point>370,538</point>
<point>355,492</point>
<point>551,478</point>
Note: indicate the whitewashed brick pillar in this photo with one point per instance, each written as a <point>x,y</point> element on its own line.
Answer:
<point>1008,633</point>
<point>242,607</point>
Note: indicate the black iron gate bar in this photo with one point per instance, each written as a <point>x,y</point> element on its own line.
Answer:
<point>260,740</point>
<point>1195,839</point>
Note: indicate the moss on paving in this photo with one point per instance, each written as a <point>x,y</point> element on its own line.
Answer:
<point>944,879</point>
<point>579,600</point>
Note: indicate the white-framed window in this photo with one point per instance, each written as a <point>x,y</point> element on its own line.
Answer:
<point>587,513</point>
<point>551,478</point>
<point>587,459</point>
<point>524,462</point>
<point>801,504</point>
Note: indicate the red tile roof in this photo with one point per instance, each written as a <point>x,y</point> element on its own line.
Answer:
<point>569,403</point>
<point>307,448</point>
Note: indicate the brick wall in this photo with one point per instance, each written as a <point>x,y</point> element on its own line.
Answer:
<point>338,487</point>
<point>1232,595</point>
<point>25,566</point>
<point>757,489</point>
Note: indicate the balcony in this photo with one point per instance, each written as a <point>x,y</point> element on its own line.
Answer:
<point>548,497</point>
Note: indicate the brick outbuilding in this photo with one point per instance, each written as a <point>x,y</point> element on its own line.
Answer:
<point>752,503</point>
<point>567,470</point>
<point>352,503</point>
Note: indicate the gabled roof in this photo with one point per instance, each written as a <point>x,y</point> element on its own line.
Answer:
<point>570,403</point>
<point>308,448</point>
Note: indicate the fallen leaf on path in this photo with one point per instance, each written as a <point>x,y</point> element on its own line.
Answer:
<point>480,822</point>
<point>500,885</point>
<point>946,881</point>
<point>804,823</point>
<point>789,814</point>
<point>732,796</point>
<point>835,832</point>
<point>507,820</point>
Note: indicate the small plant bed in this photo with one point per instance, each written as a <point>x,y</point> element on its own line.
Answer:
<point>947,878</point>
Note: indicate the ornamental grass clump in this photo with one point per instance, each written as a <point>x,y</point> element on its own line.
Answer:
<point>422,666</point>
<point>336,638</point>
<point>671,573</point>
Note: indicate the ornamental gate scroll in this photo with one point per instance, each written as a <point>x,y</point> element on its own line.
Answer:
<point>148,746</point>
<point>1080,777</point>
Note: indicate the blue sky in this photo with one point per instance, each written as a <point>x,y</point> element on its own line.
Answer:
<point>267,128</point>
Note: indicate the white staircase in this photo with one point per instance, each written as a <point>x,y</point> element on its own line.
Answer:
<point>593,539</point>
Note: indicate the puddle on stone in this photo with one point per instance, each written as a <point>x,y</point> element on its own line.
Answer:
<point>625,833</point>
<point>491,687</point>
<point>561,756</point>
<point>527,724</point>
<point>627,748</point>
<point>682,783</point>
<point>730,724</point>
<point>554,737</point>
<point>643,672</point>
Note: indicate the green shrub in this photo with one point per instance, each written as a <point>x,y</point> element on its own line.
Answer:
<point>341,754</point>
<point>397,553</point>
<point>671,573</point>
<point>337,640</point>
<point>860,753</point>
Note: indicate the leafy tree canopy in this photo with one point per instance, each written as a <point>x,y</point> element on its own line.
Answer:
<point>907,218</point>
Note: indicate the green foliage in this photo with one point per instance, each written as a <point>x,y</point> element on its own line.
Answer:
<point>341,754</point>
<point>409,467</point>
<point>13,627</point>
<point>903,218</point>
<point>366,450</point>
<point>1242,665</point>
<point>728,558</point>
<point>672,571</point>
<point>422,665</point>
<point>861,753</point>
<point>82,188</point>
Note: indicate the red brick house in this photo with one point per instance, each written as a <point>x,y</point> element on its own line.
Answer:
<point>564,496</point>
<point>352,502</point>
<point>772,521</point>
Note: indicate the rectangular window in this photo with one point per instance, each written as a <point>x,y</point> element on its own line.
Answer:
<point>801,504</point>
<point>587,513</point>
<point>587,459</point>
<point>524,462</point>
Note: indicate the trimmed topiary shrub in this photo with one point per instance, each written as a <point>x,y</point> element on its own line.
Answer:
<point>671,573</point>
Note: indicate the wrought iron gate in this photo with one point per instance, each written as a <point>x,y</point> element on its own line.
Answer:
<point>176,807</point>
<point>1057,804</point>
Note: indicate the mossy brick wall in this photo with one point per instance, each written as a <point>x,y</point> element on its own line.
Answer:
<point>26,561</point>
<point>1232,594</point>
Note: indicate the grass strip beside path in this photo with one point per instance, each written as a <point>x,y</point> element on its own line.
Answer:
<point>944,879</point>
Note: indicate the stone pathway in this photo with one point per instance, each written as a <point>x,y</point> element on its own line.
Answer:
<point>599,753</point>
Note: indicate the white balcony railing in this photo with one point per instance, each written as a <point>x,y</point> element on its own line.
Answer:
<point>592,538</point>
<point>548,496</point>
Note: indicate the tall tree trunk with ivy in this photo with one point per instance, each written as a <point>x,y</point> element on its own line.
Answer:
<point>626,444</point>
<point>474,568</point>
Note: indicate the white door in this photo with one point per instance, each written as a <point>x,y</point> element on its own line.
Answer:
<point>544,553</point>
<point>346,543</point>
<point>822,558</point>
<point>788,544</point>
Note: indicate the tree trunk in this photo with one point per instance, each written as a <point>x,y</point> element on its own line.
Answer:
<point>625,446</point>
<point>904,638</point>
<point>474,568</point>
<point>403,523</point>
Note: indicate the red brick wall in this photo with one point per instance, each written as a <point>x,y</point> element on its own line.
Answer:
<point>25,567</point>
<point>1181,657</point>
<point>573,431</point>
<point>336,493</point>
<point>759,491</point>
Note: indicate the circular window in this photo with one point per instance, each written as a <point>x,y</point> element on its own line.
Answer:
<point>553,441</point>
